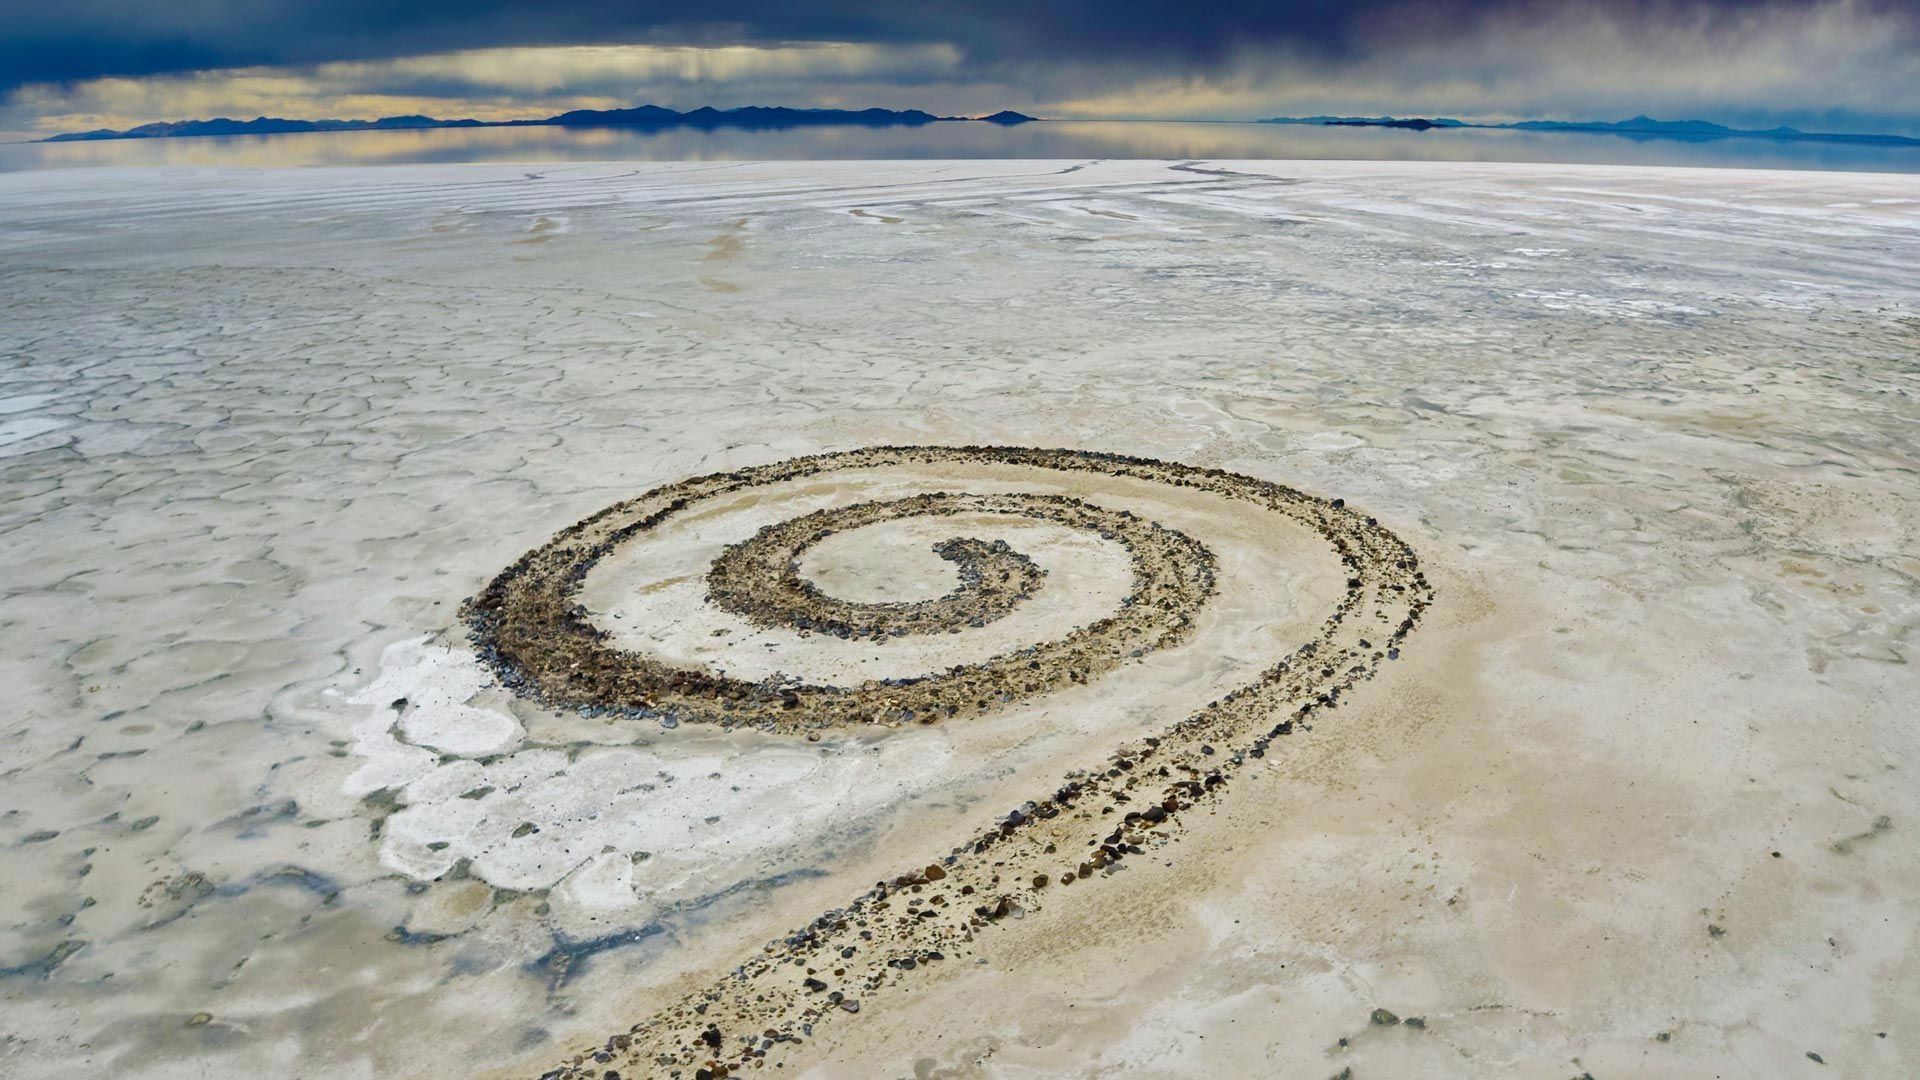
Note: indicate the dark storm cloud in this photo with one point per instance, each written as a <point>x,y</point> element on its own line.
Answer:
<point>56,41</point>
<point>1820,64</point>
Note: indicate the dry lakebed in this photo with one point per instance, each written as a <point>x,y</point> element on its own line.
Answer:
<point>948,619</point>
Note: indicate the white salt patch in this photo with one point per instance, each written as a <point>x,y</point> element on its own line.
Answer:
<point>437,682</point>
<point>626,823</point>
<point>1328,442</point>
<point>619,825</point>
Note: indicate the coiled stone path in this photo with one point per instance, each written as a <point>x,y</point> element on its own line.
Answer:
<point>532,628</point>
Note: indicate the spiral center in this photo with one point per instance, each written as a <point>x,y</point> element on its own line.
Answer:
<point>902,565</point>
<point>531,626</point>
<point>760,579</point>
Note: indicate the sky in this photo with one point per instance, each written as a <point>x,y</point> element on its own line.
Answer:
<point>1826,65</point>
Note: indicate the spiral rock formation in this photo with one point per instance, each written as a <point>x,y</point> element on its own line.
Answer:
<point>532,628</point>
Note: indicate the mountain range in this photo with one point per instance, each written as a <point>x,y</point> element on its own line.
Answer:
<point>776,117</point>
<point>645,116</point>
<point>1644,127</point>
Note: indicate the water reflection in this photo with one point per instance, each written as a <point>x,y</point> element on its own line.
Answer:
<point>1056,139</point>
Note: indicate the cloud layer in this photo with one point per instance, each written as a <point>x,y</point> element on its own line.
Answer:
<point>1846,64</point>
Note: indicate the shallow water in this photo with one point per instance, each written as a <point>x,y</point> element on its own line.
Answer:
<point>1051,139</point>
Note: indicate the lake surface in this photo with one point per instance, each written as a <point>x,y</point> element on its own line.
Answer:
<point>1051,139</point>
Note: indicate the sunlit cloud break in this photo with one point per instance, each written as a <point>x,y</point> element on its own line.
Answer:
<point>491,84</point>
<point>608,67</point>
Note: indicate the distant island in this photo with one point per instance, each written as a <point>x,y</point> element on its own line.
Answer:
<point>645,116</point>
<point>1417,123</point>
<point>1642,127</point>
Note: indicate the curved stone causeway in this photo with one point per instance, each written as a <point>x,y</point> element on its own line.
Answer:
<point>532,626</point>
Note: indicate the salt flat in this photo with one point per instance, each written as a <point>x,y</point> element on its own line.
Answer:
<point>1636,801</point>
